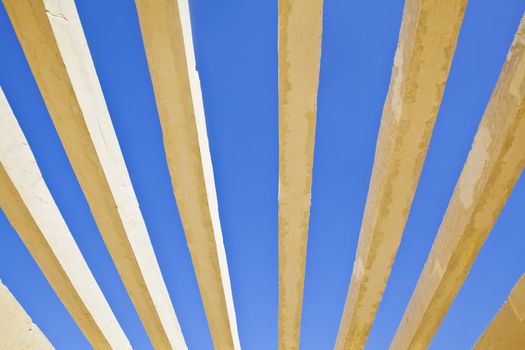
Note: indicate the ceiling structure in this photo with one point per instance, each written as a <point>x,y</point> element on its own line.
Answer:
<point>158,272</point>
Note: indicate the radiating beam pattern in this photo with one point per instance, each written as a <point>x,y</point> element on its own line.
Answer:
<point>30,208</point>
<point>426,46</point>
<point>491,170</point>
<point>54,44</point>
<point>166,32</point>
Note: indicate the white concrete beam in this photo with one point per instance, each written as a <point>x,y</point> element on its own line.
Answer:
<point>427,41</point>
<point>30,208</point>
<point>507,329</point>
<point>166,31</point>
<point>52,38</point>
<point>300,34</point>
<point>493,166</point>
<point>17,330</point>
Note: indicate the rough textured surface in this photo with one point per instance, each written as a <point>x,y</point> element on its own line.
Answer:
<point>17,331</point>
<point>507,329</point>
<point>54,44</point>
<point>166,32</point>
<point>427,41</point>
<point>27,203</point>
<point>300,32</point>
<point>493,166</point>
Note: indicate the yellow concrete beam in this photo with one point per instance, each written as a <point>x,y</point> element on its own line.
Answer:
<point>493,166</point>
<point>28,205</point>
<point>166,31</point>
<point>507,328</point>
<point>17,330</point>
<point>300,33</point>
<point>52,38</point>
<point>427,41</point>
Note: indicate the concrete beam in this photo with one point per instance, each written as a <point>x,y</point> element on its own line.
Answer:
<point>166,31</point>
<point>507,328</point>
<point>52,38</point>
<point>30,208</point>
<point>300,34</point>
<point>493,166</point>
<point>17,330</point>
<point>427,41</point>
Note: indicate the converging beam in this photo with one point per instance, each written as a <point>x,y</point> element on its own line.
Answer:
<point>493,166</point>
<point>17,330</point>
<point>52,38</point>
<point>300,32</point>
<point>426,46</point>
<point>28,205</point>
<point>166,32</point>
<point>507,328</point>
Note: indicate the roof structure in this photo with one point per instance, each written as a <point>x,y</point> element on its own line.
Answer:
<point>143,262</point>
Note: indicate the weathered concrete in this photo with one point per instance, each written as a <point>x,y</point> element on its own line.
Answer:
<point>427,41</point>
<point>300,33</point>
<point>27,203</point>
<point>17,330</point>
<point>166,31</point>
<point>507,330</point>
<point>493,166</point>
<point>52,38</point>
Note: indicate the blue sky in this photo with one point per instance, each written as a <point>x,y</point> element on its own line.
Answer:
<point>236,51</point>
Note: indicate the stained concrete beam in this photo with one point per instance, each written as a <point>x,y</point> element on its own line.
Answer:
<point>492,168</point>
<point>30,208</point>
<point>17,330</point>
<point>427,41</point>
<point>507,328</point>
<point>52,38</point>
<point>166,31</point>
<point>300,33</point>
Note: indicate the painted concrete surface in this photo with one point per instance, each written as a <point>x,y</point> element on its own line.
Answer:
<point>53,41</point>
<point>424,54</point>
<point>166,32</point>
<point>491,170</point>
<point>30,208</point>
<point>507,328</point>
<point>300,34</point>
<point>17,330</point>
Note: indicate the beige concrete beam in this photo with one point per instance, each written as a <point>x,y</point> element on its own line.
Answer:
<point>17,330</point>
<point>166,31</point>
<point>507,328</point>
<point>52,38</point>
<point>28,205</point>
<point>427,41</point>
<point>300,34</point>
<point>493,166</point>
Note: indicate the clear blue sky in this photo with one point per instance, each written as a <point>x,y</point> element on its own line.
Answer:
<point>236,51</point>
